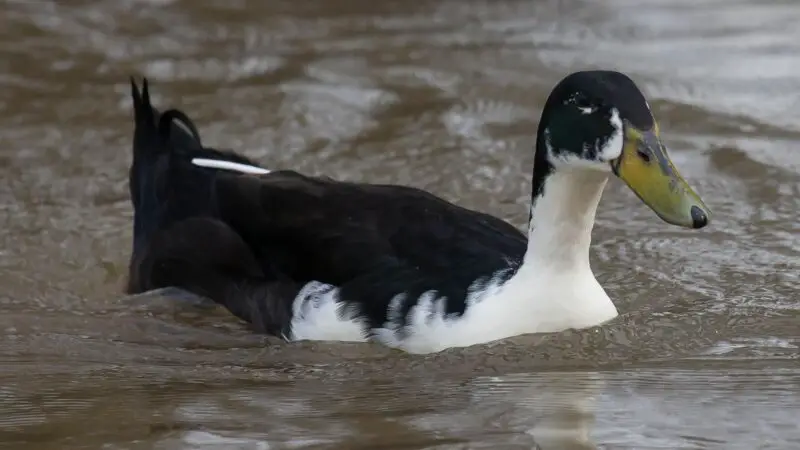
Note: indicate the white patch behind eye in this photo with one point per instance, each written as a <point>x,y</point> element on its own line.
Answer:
<point>612,148</point>
<point>587,109</point>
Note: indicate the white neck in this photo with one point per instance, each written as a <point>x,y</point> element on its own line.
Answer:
<point>562,218</point>
<point>555,288</point>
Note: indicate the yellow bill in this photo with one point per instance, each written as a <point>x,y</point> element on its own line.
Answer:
<point>646,168</point>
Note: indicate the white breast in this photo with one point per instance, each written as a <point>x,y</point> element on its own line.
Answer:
<point>533,301</point>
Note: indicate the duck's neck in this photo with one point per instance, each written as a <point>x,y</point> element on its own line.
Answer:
<point>563,208</point>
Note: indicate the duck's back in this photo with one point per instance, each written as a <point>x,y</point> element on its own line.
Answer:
<point>318,229</point>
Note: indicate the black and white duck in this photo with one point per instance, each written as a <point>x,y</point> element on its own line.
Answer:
<point>311,258</point>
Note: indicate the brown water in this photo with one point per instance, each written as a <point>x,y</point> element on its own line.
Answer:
<point>444,95</point>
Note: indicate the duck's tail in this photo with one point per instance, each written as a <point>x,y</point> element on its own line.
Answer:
<point>172,173</point>
<point>179,238</point>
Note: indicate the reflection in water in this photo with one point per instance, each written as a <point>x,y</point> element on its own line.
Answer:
<point>217,409</point>
<point>442,95</point>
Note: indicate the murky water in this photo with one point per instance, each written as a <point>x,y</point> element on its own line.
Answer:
<point>443,95</point>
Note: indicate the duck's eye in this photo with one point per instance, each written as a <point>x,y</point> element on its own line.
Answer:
<point>583,104</point>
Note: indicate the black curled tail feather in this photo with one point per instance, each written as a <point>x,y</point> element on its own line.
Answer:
<point>166,126</point>
<point>144,112</point>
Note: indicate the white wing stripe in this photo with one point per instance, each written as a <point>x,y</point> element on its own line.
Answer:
<point>228,165</point>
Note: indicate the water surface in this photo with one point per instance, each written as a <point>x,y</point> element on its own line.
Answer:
<point>443,95</point>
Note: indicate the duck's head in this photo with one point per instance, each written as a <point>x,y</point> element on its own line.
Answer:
<point>600,121</point>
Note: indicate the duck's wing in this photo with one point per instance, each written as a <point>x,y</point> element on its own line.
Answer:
<point>324,230</point>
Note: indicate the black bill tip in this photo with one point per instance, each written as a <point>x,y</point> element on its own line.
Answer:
<point>699,217</point>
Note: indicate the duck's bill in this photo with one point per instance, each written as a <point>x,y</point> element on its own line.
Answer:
<point>646,168</point>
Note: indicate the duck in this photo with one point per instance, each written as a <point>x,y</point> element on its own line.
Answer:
<point>312,258</point>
